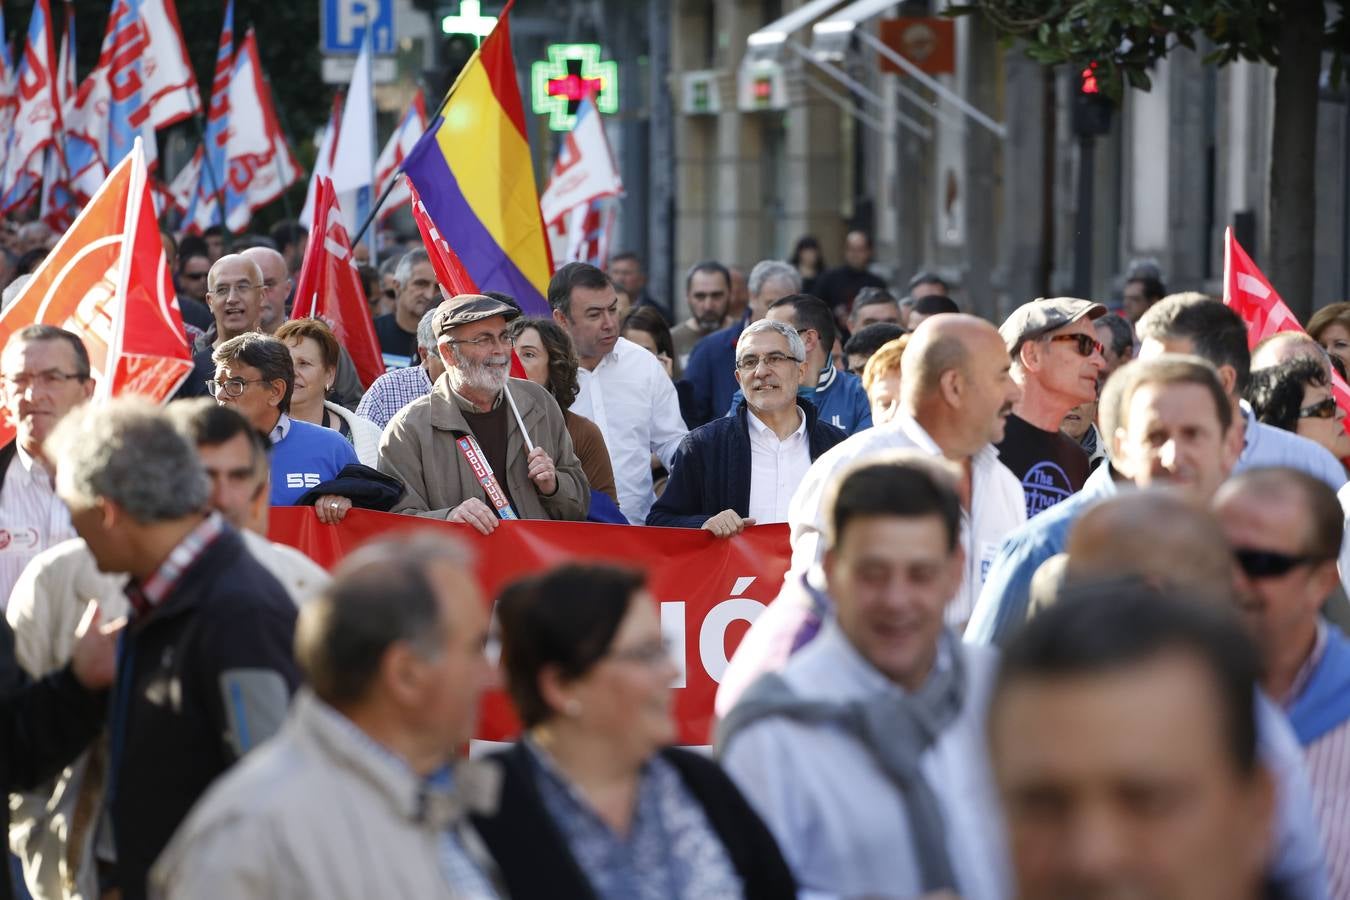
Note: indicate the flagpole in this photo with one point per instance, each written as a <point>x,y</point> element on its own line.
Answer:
<point>216,188</point>
<point>389,189</point>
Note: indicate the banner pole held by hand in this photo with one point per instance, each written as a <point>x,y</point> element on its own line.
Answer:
<point>529,445</point>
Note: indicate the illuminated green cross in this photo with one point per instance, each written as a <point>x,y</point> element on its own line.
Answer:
<point>558,85</point>
<point>469,21</point>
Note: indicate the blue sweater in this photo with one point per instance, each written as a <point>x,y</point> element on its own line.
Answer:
<point>306,457</point>
<point>711,471</point>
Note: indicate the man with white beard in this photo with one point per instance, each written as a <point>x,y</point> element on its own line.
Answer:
<point>482,447</point>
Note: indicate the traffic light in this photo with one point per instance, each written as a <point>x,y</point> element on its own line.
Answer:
<point>1091,107</point>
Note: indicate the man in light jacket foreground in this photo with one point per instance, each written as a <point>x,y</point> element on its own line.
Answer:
<point>356,797</point>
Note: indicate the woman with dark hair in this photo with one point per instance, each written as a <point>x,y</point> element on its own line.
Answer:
<point>1296,396</point>
<point>594,801</point>
<point>645,327</point>
<point>545,350</point>
<point>809,262</point>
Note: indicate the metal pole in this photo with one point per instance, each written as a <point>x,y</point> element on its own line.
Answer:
<point>660,213</point>
<point>1082,239</point>
<point>216,187</point>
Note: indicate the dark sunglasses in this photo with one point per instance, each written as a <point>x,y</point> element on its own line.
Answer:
<point>1323,409</point>
<point>1087,344</point>
<point>1269,564</point>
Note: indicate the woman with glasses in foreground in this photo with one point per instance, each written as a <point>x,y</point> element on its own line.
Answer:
<point>594,802</point>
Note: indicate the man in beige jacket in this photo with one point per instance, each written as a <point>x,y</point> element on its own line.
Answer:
<point>483,447</point>
<point>52,830</point>
<point>356,797</point>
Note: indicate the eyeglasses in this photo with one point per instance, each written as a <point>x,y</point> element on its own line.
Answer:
<point>1322,409</point>
<point>484,340</point>
<point>52,378</point>
<point>1087,344</point>
<point>773,360</point>
<point>1269,564</point>
<point>232,388</point>
<point>652,653</point>
<point>225,290</point>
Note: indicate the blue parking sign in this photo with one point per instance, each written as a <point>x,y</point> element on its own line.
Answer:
<point>344,24</point>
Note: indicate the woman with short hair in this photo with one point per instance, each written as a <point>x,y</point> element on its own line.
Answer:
<point>595,802</point>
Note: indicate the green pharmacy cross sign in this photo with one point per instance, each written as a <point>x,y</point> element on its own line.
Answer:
<point>558,85</point>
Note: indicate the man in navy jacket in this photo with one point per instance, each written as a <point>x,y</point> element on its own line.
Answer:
<point>742,470</point>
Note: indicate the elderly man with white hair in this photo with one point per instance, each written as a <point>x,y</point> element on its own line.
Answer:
<point>713,360</point>
<point>482,447</point>
<point>742,470</point>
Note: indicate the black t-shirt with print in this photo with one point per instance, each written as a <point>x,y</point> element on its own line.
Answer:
<point>1050,464</point>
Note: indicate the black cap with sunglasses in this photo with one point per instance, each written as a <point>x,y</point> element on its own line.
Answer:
<point>1043,315</point>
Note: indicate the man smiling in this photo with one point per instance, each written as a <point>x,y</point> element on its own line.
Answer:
<point>469,453</point>
<point>741,470</point>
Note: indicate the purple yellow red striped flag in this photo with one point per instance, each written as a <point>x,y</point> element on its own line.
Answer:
<point>473,171</point>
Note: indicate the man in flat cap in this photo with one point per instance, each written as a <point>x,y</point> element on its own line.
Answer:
<point>1057,360</point>
<point>482,447</point>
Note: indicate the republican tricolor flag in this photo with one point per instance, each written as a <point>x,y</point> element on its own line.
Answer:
<point>476,177</point>
<point>107,281</point>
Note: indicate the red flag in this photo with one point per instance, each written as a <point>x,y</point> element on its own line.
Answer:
<point>1247,291</point>
<point>107,281</point>
<point>330,289</point>
<point>450,271</point>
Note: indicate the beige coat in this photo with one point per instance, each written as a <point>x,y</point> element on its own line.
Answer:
<point>418,448</point>
<point>321,810</point>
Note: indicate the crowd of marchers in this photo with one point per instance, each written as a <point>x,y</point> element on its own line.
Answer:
<point>1063,615</point>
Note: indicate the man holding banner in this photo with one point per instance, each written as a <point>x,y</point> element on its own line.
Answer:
<point>483,447</point>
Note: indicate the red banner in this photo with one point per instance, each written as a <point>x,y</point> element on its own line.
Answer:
<point>709,590</point>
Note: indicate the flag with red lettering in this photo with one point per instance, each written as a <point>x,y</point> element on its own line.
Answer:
<point>207,204</point>
<point>37,118</point>
<point>576,205</point>
<point>450,271</point>
<point>8,102</point>
<point>107,280</point>
<point>403,139</point>
<point>1248,292</point>
<point>330,289</point>
<point>168,83</point>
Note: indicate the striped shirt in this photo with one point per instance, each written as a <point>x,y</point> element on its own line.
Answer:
<point>32,518</point>
<point>391,392</point>
<point>1328,761</point>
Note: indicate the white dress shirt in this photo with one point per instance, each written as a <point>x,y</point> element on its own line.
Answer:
<point>32,518</point>
<point>633,401</point>
<point>838,818</point>
<point>776,468</point>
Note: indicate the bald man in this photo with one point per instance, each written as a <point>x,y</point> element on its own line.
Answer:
<point>234,292</point>
<point>1286,345</point>
<point>277,287</point>
<point>956,393</point>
